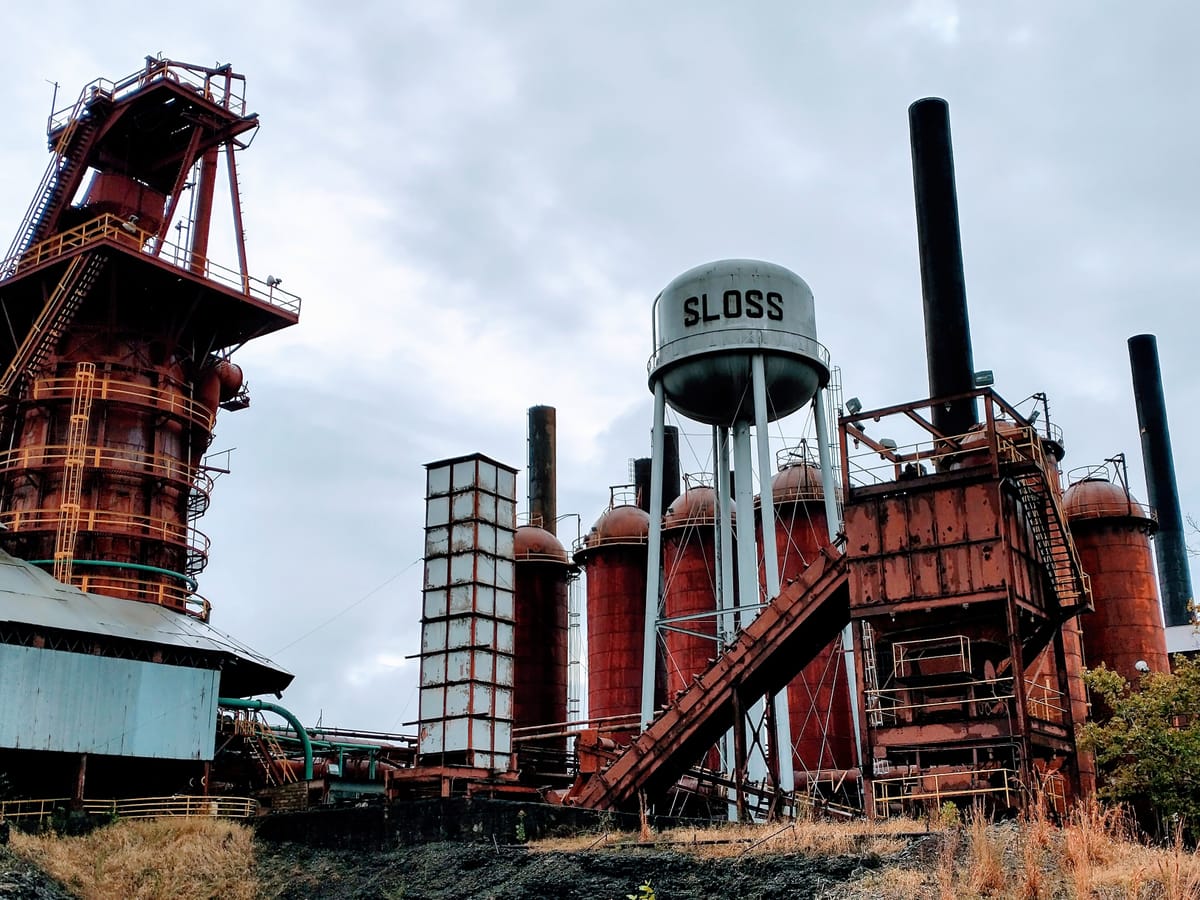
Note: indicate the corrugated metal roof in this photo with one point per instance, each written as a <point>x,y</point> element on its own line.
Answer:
<point>29,596</point>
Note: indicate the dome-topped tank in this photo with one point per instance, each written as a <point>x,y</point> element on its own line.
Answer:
<point>709,323</point>
<point>540,630</point>
<point>614,556</point>
<point>688,587</point>
<point>1112,534</point>
<point>819,710</point>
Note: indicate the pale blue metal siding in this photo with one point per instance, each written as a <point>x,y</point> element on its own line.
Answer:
<point>79,703</point>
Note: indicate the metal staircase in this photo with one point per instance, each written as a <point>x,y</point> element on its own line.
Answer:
<point>1048,523</point>
<point>263,748</point>
<point>62,175</point>
<point>78,279</point>
<point>788,633</point>
<point>77,433</point>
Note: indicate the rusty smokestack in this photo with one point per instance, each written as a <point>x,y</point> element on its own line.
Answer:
<point>943,287</point>
<point>1170,545</point>
<point>543,496</point>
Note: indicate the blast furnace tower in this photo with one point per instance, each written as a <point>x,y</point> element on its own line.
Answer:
<point>117,333</point>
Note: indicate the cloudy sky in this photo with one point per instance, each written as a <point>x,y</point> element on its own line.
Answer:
<point>478,202</point>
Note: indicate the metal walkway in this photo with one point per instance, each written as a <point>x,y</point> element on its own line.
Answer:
<point>788,633</point>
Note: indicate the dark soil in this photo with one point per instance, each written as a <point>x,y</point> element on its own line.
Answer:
<point>456,870</point>
<point>21,881</point>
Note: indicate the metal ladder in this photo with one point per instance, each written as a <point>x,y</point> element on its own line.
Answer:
<point>52,321</point>
<point>871,676</point>
<point>77,433</point>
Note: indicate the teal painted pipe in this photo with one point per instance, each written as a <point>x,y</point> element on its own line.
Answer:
<point>188,581</point>
<point>236,703</point>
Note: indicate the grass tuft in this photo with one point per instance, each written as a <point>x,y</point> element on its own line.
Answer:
<point>150,859</point>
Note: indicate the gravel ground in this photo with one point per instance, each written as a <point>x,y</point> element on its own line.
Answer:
<point>444,870</point>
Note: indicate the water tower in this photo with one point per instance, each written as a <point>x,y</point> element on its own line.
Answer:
<point>735,347</point>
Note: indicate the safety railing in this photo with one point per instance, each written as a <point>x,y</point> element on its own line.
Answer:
<point>110,521</point>
<point>179,597</point>
<point>136,807</point>
<point>987,692</point>
<point>172,468</point>
<point>940,655</point>
<point>938,787</point>
<point>215,85</point>
<point>106,388</point>
<point>1045,702</point>
<point>114,230</point>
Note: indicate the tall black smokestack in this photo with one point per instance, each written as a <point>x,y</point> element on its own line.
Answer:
<point>641,482</point>
<point>1170,547</point>
<point>543,494</point>
<point>947,329</point>
<point>670,484</point>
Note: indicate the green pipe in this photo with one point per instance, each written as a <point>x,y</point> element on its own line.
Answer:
<point>235,703</point>
<point>188,581</point>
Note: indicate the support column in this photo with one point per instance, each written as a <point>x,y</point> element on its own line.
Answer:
<point>653,558</point>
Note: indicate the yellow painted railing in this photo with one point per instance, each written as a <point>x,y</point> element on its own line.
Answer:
<point>938,787</point>
<point>110,389</point>
<point>110,521</point>
<point>114,230</point>
<point>36,456</point>
<point>174,596</point>
<point>137,807</point>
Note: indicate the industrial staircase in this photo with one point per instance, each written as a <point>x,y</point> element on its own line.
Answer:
<point>1048,523</point>
<point>787,634</point>
<point>54,319</point>
<point>264,749</point>
<point>62,176</point>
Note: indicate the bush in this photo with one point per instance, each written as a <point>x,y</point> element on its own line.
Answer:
<point>1147,742</point>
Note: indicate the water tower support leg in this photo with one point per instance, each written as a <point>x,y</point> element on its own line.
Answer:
<point>653,557</point>
<point>782,737</point>
<point>825,456</point>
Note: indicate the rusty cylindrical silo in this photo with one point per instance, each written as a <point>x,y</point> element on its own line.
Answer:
<point>819,706</point>
<point>689,587</point>
<point>1112,533</point>
<point>613,555</point>
<point>543,572</point>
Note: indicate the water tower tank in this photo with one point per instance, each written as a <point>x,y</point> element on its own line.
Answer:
<point>709,323</point>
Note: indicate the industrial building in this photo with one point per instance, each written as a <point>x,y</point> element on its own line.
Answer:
<point>899,616</point>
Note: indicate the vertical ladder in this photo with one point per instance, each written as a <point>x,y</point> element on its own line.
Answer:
<point>77,432</point>
<point>54,319</point>
<point>871,676</point>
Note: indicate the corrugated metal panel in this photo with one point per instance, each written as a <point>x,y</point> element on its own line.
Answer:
<point>79,703</point>
<point>29,596</point>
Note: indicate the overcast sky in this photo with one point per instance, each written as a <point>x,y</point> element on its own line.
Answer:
<point>479,201</point>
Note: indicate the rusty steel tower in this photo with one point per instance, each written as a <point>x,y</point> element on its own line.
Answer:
<point>117,334</point>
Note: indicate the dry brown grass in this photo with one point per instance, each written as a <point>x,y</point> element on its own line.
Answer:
<point>801,837</point>
<point>150,859</point>
<point>1094,855</point>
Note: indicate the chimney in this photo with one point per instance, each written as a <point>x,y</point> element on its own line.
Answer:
<point>947,329</point>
